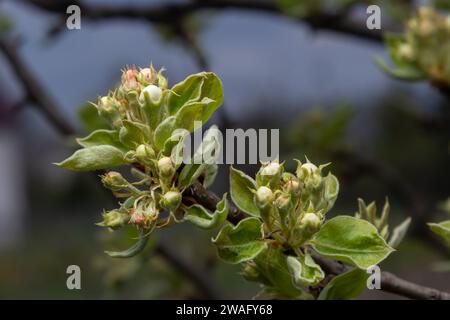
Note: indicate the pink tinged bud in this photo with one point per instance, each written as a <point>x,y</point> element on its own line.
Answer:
<point>154,92</point>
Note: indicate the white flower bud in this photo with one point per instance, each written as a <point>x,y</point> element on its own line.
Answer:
<point>271,169</point>
<point>171,200</point>
<point>311,221</point>
<point>406,51</point>
<point>309,167</point>
<point>154,92</point>
<point>264,196</point>
<point>166,167</point>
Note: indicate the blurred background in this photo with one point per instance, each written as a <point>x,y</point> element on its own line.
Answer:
<point>310,75</point>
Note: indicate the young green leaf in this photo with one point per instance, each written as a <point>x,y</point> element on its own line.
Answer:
<point>351,240</point>
<point>399,233</point>
<point>164,131</point>
<point>94,158</point>
<point>190,173</point>
<point>346,286</point>
<point>134,249</point>
<point>132,134</point>
<point>242,242</point>
<point>199,216</point>
<point>441,229</point>
<point>241,186</point>
<point>270,268</point>
<point>305,271</point>
<point>407,73</point>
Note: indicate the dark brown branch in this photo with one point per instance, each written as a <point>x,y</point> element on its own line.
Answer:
<point>198,277</point>
<point>169,13</point>
<point>389,282</point>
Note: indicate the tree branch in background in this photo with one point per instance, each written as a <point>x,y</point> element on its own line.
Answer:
<point>37,94</point>
<point>169,13</point>
<point>389,282</point>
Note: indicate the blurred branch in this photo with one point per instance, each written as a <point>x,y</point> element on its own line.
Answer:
<point>169,13</point>
<point>389,282</point>
<point>34,92</point>
<point>37,94</point>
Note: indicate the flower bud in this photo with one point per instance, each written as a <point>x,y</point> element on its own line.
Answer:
<point>145,76</point>
<point>293,187</point>
<point>283,202</point>
<point>108,108</point>
<point>154,92</point>
<point>269,174</point>
<point>114,219</point>
<point>137,218</point>
<point>171,200</point>
<point>114,181</point>
<point>309,167</point>
<point>166,167</point>
<point>264,197</point>
<point>311,221</point>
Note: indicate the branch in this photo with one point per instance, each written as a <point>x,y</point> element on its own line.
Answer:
<point>389,282</point>
<point>168,13</point>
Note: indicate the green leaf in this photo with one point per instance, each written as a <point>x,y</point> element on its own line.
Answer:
<point>441,229</point>
<point>212,89</point>
<point>132,134</point>
<point>101,137</point>
<point>164,131</point>
<point>190,173</point>
<point>199,216</point>
<point>346,286</point>
<point>184,92</point>
<point>331,191</point>
<point>241,186</point>
<point>399,233</point>
<point>190,113</point>
<point>409,73</point>
<point>133,250</point>
<point>351,240</point>
<point>270,269</point>
<point>90,119</point>
<point>305,271</point>
<point>94,158</point>
<point>242,242</point>
<point>195,88</point>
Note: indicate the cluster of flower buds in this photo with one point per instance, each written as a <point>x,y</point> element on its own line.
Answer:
<point>139,90</point>
<point>422,49</point>
<point>295,204</point>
